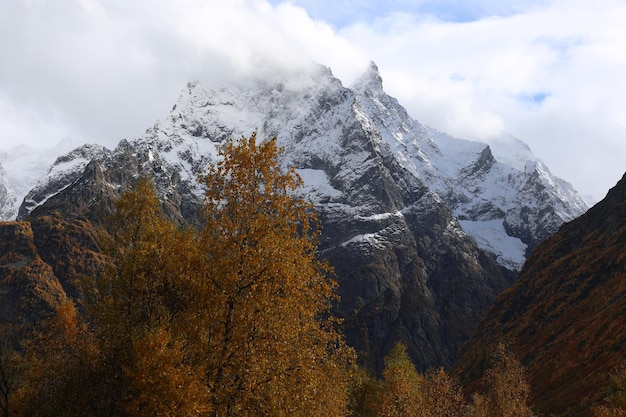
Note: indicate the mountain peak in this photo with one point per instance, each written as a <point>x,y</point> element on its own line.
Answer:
<point>370,80</point>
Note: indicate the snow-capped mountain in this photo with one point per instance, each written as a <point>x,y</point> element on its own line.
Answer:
<point>502,195</point>
<point>398,200</point>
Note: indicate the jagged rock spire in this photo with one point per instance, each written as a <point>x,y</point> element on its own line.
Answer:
<point>370,80</point>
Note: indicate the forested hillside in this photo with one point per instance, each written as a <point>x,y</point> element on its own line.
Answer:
<point>566,314</point>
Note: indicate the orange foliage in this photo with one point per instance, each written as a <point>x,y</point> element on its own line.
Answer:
<point>272,347</point>
<point>400,392</point>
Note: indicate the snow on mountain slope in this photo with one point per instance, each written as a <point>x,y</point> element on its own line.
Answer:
<point>501,193</point>
<point>7,197</point>
<point>65,170</point>
<point>505,183</point>
<point>203,117</point>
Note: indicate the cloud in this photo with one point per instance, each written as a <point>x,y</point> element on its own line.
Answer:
<point>74,63</point>
<point>108,69</point>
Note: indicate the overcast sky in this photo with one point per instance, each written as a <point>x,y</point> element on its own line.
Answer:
<point>551,72</point>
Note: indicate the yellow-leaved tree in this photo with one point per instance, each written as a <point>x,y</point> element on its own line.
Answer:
<point>141,309</point>
<point>443,397</point>
<point>400,392</point>
<point>60,367</point>
<point>273,349</point>
<point>127,354</point>
<point>508,392</point>
<point>614,405</point>
<point>404,392</point>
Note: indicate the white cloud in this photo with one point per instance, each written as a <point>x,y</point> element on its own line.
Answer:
<point>27,124</point>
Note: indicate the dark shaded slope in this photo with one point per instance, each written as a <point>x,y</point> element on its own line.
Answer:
<point>28,286</point>
<point>566,314</point>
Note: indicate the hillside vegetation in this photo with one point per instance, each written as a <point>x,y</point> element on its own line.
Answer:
<point>566,314</point>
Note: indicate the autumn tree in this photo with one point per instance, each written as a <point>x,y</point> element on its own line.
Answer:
<point>403,391</point>
<point>61,363</point>
<point>230,320</point>
<point>363,393</point>
<point>478,406</point>
<point>508,391</point>
<point>617,390</point>
<point>272,346</point>
<point>442,396</point>
<point>615,402</point>
<point>140,311</point>
<point>127,353</point>
<point>400,390</point>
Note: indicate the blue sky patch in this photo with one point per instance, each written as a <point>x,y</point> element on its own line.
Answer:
<point>536,98</point>
<point>341,13</point>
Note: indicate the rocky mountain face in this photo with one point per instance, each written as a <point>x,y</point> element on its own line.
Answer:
<point>402,205</point>
<point>502,194</point>
<point>566,314</point>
